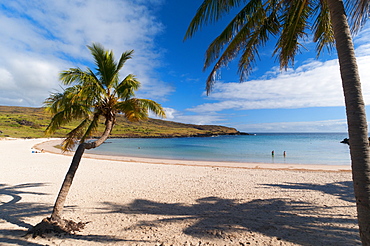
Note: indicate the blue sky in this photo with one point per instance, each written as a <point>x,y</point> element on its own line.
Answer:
<point>41,38</point>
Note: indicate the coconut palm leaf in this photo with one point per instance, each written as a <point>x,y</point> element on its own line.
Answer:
<point>209,12</point>
<point>265,25</point>
<point>75,75</point>
<point>249,30</point>
<point>294,24</point>
<point>126,89</point>
<point>92,128</point>
<point>106,65</point>
<point>124,57</point>
<point>74,135</point>
<point>236,24</point>
<point>132,110</point>
<point>323,31</point>
<point>65,108</point>
<point>136,109</point>
<point>152,106</point>
<point>359,13</point>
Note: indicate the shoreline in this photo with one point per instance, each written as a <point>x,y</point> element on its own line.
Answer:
<point>48,146</point>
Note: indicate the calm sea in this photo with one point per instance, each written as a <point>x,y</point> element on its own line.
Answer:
<point>301,148</point>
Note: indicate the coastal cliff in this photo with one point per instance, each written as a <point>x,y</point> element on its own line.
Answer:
<point>26,122</point>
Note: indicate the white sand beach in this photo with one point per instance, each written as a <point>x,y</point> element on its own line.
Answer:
<point>132,201</point>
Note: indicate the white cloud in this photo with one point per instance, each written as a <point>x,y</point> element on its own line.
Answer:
<point>41,38</point>
<point>363,36</point>
<point>362,43</point>
<point>26,80</point>
<point>311,126</point>
<point>206,119</point>
<point>363,50</point>
<point>314,84</point>
<point>171,113</point>
<point>178,116</point>
<point>339,125</point>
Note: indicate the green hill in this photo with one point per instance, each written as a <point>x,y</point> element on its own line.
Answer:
<point>25,122</point>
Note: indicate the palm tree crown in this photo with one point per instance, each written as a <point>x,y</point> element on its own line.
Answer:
<point>260,21</point>
<point>93,95</point>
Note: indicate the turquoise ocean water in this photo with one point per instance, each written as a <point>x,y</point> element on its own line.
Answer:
<point>301,148</point>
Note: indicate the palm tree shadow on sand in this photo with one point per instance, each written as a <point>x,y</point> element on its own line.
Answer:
<point>15,212</point>
<point>342,190</point>
<point>212,217</point>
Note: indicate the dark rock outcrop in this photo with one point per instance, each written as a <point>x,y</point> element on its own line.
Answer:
<point>346,141</point>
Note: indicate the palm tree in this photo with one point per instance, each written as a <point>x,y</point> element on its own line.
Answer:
<point>91,96</point>
<point>288,23</point>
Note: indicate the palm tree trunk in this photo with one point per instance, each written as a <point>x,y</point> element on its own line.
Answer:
<point>59,203</point>
<point>356,116</point>
<point>56,215</point>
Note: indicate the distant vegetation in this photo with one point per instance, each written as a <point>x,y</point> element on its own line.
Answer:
<point>25,122</point>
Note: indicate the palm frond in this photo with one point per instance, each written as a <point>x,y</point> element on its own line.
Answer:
<point>106,65</point>
<point>93,126</point>
<point>53,103</point>
<point>209,12</point>
<point>259,23</point>
<point>136,109</point>
<point>294,21</point>
<point>132,110</point>
<point>323,31</point>
<point>74,75</point>
<point>93,90</point>
<point>90,86</point>
<point>66,107</point>
<point>59,119</point>
<point>74,135</point>
<point>153,107</point>
<point>68,144</point>
<point>265,25</point>
<point>63,117</point>
<point>124,57</point>
<point>358,13</point>
<point>236,24</point>
<point>126,89</point>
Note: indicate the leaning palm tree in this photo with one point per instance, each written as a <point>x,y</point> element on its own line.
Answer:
<point>90,97</point>
<point>289,23</point>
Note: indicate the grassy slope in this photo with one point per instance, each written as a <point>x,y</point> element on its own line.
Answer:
<point>22,122</point>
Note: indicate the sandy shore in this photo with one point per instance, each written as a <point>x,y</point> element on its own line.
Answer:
<point>131,201</point>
